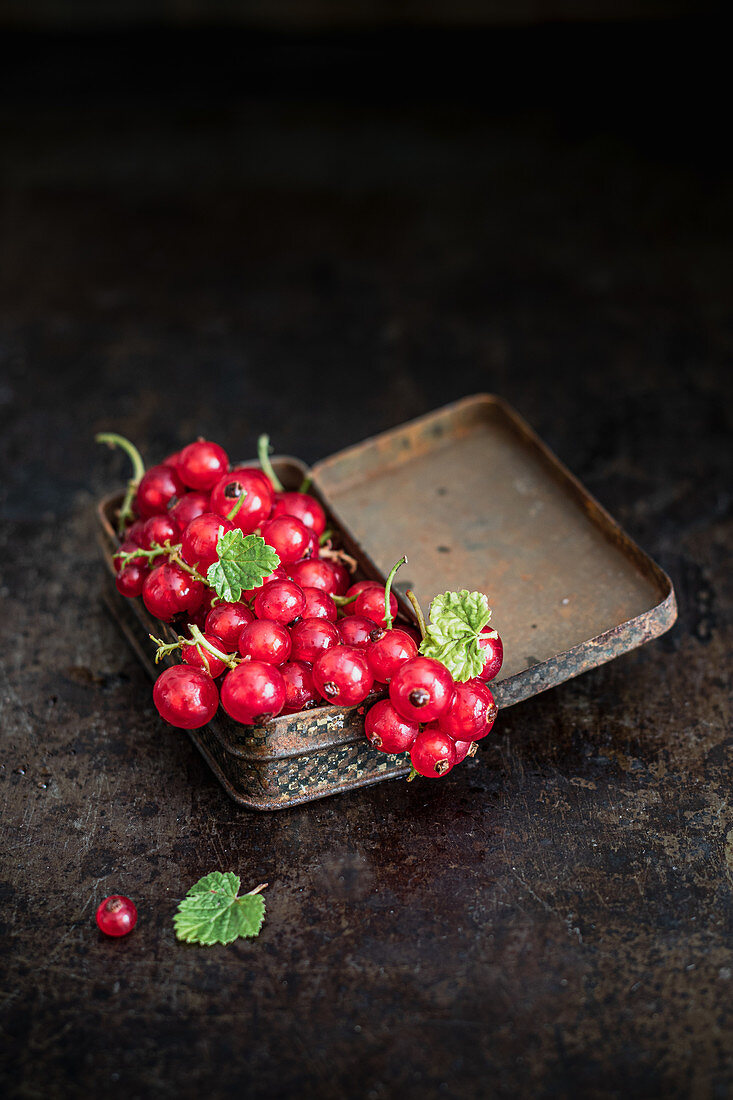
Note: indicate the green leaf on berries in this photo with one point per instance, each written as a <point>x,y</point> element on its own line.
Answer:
<point>452,636</point>
<point>212,911</point>
<point>244,562</point>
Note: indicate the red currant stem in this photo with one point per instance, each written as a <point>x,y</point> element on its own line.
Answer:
<point>412,774</point>
<point>138,469</point>
<point>176,557</point>
<point>164,648</point>
<point>326,536</point>
<point>305,484</point>
<point>263,453</point>
<point>154,552</point>
<point>237,505</point>
<point>201,643</point>
<point>341,601</point>
<point>388,588</point>
<point>418,611</point>
<point>329,554</point>
<point>257,890</point>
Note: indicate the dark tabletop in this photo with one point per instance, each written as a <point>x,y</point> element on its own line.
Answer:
<point>226,233</point>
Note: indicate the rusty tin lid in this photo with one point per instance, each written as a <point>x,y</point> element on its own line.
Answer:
<point>475,500</point>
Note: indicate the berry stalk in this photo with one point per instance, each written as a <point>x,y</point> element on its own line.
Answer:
<point>112,439</point>
<point>418,611</point>
<point>388,620</point>
<point>263,453</point>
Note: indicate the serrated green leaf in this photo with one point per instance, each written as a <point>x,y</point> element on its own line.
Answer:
<point>212,912</point>
<point>244,562</point>
<point>456,620</point>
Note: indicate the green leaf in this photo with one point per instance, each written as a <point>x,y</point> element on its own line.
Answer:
<point>456,620</point>
<point>212,912</point>
<point>244,562</point>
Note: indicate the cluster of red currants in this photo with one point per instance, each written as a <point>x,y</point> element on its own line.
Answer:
<point>304,634</point>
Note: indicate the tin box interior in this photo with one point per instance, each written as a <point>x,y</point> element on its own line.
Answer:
<point>475,500</point>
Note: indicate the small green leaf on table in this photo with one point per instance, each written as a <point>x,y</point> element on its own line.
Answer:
<point>213,912</point>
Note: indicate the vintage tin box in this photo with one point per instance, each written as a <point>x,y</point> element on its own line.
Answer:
<point>476,501</point>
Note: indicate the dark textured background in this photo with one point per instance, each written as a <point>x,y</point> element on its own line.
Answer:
<point>321,236</point>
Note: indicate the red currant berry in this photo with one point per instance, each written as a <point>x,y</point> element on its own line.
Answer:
<point>387,730</point>
<point>255,507</point>
<point>253,692</point>
<point>356,631</point>
<point>156,489</point>
<point>159,529</point>
<point>186,697</point>
<point>388,650</point>
<point>188,507</point>
<point>256,472</point>
<point>131,579</point>
<point>493,649</point>
<point>470,713</point>
<point>198,543</point>
<point>314,573</point>
<point>281,600</point>
<point>135,531</point>
<point>288,537</point>
<point>370,605</point>
<point>201,464</point>
<point>319,605</point>
<point>342,575</point>
<point>433,753</point>
<point>116,916</point>
<point>311,638</point>
<point>304,507</point>
<point>226,621</point>
<point>300,690</point>
<point>342,675</point>
<point>169,590</point>
<point>421,689</point>
<point>464,749</point>
<point>355,589</point>
<point>265,640</point>
<point>199,657</point>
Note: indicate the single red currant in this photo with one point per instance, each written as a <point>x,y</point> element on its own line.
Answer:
<point>353,592</point>
<point>421,689</point>
<point>388,650</point>
<point>135,531</point>
<point>470,713</point>
<point>116,916</point>
<point>356,631</point>
<point>226,621</point>
<point>288,537</point>
<point>493,649</point>
<point>253,692</point>
<point>387,730</point>
<point>159,529</point>
<point>314,573</point>
<point>198,542</point>
<point>300,690</point>
<point>281,600</point>
<point>433,753</point>
<point>304,507</point>
<point>186,697</point>
<point>199,657</point>
<point>255,507</point>
<point>342,576</point>
<point>311,638</point>
<point>169,590</point>
<point>464,749</point>
<point>156,489</point>
<point>265,640</point>
<point>256,472</point>
<point>370,605</point>
<point>201,464</point>
<point>319,605</point>
<point>131,579</point>
<point>342,675</point>
<point>188,507</point>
